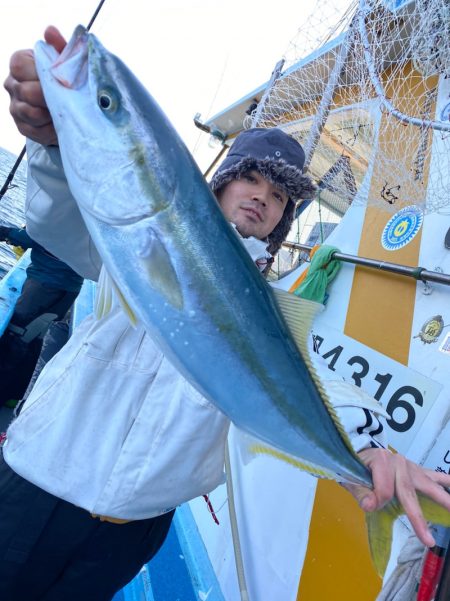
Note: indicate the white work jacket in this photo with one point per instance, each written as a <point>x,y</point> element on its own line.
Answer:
<point>110,424</point>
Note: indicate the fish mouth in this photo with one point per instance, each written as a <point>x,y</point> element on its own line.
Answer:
<point>70,68</point>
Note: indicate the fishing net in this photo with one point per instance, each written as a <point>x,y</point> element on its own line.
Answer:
<point>365,89</point>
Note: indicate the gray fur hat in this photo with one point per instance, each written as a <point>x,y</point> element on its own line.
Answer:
<point>279,159</point>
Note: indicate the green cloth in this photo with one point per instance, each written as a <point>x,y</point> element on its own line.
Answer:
<point>322,270</point>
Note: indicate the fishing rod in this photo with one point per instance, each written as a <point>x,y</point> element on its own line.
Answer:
<point>418,273</point>
<point>443,591</point>
<point>94,16</point>
<point>12,173</point>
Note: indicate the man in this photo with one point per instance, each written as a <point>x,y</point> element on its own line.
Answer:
<point>87,506</point>
<point>49,291</point>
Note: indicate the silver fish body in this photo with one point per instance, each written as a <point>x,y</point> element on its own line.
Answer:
<point>176,260</point>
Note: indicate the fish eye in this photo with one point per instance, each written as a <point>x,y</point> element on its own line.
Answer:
<point>107,100</point>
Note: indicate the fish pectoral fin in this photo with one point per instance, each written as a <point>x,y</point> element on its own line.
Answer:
<point>162,274</point>
<point>380,527</point>
<point>106,288</point>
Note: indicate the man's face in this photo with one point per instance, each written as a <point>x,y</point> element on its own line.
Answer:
<point>253,204</point>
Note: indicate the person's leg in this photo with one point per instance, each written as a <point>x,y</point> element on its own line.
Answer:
<point>17,356</point>
<point>111,558</point>
<point>51,550</point>
<point>55,338</point>
<point>62,304</point>
<point>24,512</point>
<point>35,299</point>
<point>21,343</point>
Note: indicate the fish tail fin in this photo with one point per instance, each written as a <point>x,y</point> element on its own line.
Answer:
<point>380,525</point>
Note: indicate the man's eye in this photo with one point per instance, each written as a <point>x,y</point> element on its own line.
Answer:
<point>249,177</point>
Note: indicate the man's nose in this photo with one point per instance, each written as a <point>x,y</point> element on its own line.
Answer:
<point>261,194</point>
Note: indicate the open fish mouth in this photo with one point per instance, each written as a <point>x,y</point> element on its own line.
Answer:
<point>70,68</point>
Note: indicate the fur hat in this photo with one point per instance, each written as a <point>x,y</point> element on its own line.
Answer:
<point>279,159</point>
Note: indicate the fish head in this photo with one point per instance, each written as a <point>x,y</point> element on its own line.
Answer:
<point>105,125</point>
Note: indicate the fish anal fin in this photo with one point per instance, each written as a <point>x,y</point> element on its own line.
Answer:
<point>261,449</point>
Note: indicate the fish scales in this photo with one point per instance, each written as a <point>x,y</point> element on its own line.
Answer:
<point>170,251</point>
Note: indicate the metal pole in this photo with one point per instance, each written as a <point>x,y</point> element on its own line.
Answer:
<point>327,97</point>
<point>273,78</point>
<point>418,273</point>
<point>215,161</point>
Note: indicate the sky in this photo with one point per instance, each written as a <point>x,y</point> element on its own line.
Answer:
<point>194,56</point>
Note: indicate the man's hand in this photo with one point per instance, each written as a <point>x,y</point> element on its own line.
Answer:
<point>28,107</point>
<point>394,475</point>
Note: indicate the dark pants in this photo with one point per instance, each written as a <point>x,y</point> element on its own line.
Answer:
<point>17,357</point>
<point>51,550</point>
<point>37,298</point>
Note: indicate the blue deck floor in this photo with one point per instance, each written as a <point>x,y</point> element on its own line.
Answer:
<point>181,571</point>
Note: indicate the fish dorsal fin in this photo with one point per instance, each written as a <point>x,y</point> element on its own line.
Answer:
<point>299,314</point>
<point>345,394</point>
<point>107,289</point>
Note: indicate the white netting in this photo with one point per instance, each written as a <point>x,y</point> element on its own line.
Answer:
<point>431,40</point>
<point>363,79</point>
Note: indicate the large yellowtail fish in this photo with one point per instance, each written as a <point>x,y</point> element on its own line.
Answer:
<point>181,269</point>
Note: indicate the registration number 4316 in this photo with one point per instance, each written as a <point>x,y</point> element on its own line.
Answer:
<point>406,395</point>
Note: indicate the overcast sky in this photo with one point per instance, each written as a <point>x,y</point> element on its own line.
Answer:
<point>192,55</point>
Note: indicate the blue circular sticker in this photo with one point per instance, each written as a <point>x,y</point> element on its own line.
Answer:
<point>401,228</point>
